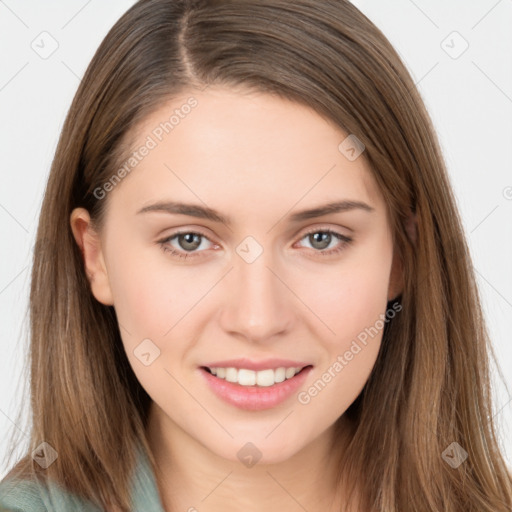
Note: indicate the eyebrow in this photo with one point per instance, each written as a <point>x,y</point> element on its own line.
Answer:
<point>204,212</point>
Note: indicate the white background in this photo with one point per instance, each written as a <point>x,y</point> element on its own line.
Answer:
<point>469,99</point>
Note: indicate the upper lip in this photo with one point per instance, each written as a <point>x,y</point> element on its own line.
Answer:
<point>266,364</point>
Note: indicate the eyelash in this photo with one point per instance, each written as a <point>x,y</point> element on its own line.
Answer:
<point>331,252</point>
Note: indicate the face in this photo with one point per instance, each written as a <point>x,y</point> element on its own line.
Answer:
<point>250,279</point>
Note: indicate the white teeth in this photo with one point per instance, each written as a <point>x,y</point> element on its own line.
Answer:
<point>262,378</point>
<point>290,372</point>
<point>231,374</point>
<point>265,377</point>
<point>280,375</point>
<point>246,377</point>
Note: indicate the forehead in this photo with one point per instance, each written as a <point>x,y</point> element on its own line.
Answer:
<point>248,147</point>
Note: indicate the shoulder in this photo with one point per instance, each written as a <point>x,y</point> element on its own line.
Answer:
<point>21,496</point>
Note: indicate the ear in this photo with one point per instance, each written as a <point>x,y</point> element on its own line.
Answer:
<point>396,278</point>
<point>88,241</point>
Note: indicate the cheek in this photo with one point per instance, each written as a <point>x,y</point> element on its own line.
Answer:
<point>352,303</point>
<point>354,308</point>
<point>147,301</point>
<point>140,300</point>
<point>350,299</point>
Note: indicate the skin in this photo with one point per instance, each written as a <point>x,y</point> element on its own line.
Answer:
<point>258,159</point>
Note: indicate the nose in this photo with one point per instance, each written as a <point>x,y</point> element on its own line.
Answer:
<point>259,305</point>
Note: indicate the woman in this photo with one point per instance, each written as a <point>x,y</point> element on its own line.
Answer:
<point>195,345</point>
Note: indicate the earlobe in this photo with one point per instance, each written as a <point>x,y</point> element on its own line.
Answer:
<point>89,243</point>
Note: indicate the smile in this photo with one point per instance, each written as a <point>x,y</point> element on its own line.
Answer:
<point>263,378</point>
<point>244,391</point>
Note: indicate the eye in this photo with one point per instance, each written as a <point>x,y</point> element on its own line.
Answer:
<point>325,239</point>
<point>190,241</point>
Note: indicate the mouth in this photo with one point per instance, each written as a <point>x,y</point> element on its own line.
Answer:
<point>254,390</point>
<point>255,379</point>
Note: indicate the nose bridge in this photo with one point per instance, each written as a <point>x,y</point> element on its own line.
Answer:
<point>258,307</point>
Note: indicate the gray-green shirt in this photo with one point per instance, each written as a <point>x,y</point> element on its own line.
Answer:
<point>28,496</point>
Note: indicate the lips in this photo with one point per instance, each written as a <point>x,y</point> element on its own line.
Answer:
<point>255,398</point>
<point>249,364</point>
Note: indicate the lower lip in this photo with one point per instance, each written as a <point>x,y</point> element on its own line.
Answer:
<point>255,398</point>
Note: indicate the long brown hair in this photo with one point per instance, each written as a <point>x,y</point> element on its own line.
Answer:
<point>430,386</point>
